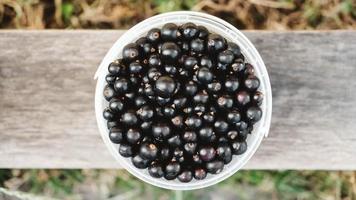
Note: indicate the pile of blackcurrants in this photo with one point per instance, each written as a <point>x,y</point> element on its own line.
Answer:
<point>182,102</point>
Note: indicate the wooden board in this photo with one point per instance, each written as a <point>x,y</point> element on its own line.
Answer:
<point>47,99</point>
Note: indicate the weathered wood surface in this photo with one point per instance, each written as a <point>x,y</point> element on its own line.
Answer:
<point>47,99</point>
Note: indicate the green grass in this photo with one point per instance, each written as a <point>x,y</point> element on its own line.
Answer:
<point>287,184</point>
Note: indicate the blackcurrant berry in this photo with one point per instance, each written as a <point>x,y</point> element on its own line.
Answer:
<point>161,131</point>
<point>172,170</point>
<point>215,167</point>
<point>165,86</point>
<point>238,148</point>
<point>254,114</point>
<point>148,151</point>
<point>108,92</point>
<point>155,170</point>
<point>125,150</point>
<point>129,118</point>
<point>140,162</point>
<point>252,83</point>
<point>133,136</point>
<point>130,52</point>
<point>197,46</point>
<point>121,85</point>
<point>189,136</point>
<point>216,43</point>
<point>169,32</point>
<point>242,98</point>
<point>189,31</point>
<point>199,173</point>
<point>108,114</point>
<point>185,177</point>
<point>170,52</point>
<point>116,105</point>
<point>204,75</point>
<point>207,153</point>
<point>154,35</point>
<point>116,135</point>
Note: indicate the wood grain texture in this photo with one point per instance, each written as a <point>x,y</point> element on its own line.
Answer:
<point>47,99</point>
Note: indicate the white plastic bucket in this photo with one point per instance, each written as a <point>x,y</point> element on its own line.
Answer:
<point>213,24</point>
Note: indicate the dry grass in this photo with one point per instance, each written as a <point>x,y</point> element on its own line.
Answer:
<point>244,14</point>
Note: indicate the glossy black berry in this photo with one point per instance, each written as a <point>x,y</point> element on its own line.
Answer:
<point>226,57</point>
<point>121,85</point>
<point>108,92</point>
<point>170,52</point>
<point>129,118</point>
<point>190,62</point>
<point>254,114</point>
<point>215,167</point>
<point>125,150</point>
<point>165,86</point>
<point>225,102</point>
<point>199,173</point>
<point>189,136</point>
<point>221,126</point>
<point>205,61</point>
<point>216,43</point>
<point>172,170</point>
<point>233,116</point>
<point>133,136</point>
<point>190,148</point>
<point>189,31</point>
<point>232,135</point>
<point>164,154</point>
<point>235,49</point>
<point>116,105</point>
<point>214,87</point>
<point>155,170</point>
<point>207,134</point>
<point>161,130</point>
<point>179,102</point>
<point>154,60</point>
<point>145,46</point>
<point>204,75</point>
<point>169,32</point>
<point>224,153</point>
<point>258,98</point>
<point>207,153</point>
<point>116,135</point>
<point>110,78</point>
<point>203,32</point>
<point>135,67</point>
<point>140,162</point>
<point>170,69</point>
<point>177,121</point>
<point>185,177</point>
<point>231,84</point>
<point>201,97</point>
<point>112,124</point>
<point>116,68</point>
<point>191,88</point>
<point>174,141</point>
<point>252,83</point>
<point>197,46</point>
<point>238,148</point>
<point>154,35</point>
<point>130,52</point>
<point>108,114</point>
<point>193,121</point>
<point>148,151</point>
<point>145,113</point>
<point>243,98</point>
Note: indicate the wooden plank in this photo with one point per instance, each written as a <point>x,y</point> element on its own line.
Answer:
<point>47,99</point>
